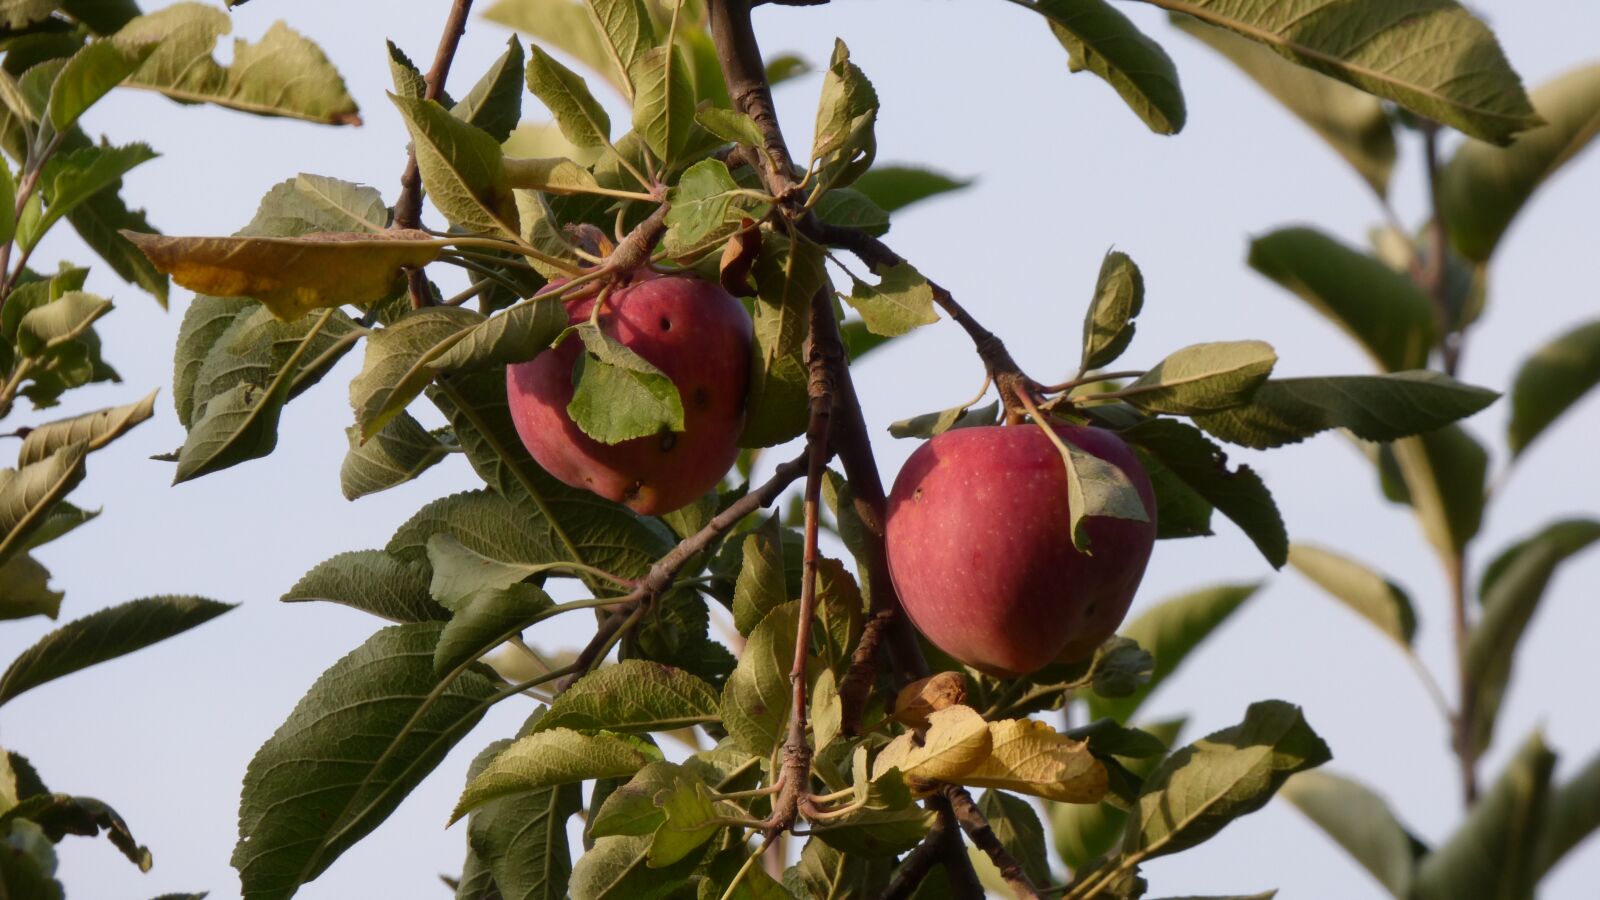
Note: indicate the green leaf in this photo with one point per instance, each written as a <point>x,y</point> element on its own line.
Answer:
<point>1019,830</point>
<point>515,335</point>
<point>541,519</point>
<point>850,208</point>
<point>755,701</point>
<point>554,757</point>
<point>1494,853</point>
<point>892,188</point>
<point>306,204</point>
<point>823,871</point>
<point>930,425</point>
<point>625,32</point>
<point>1431,57</point>
<point>1203,378</point>
<point>89,75</point>
<point>59,322</point>
<point>583,121</point>
<point>69,180</point>
<point>1353,122</point>
<point>631,808</point>
<point>1360,821</point>
<point>94,430</point>
<point>617,869</point>
<point>1227,774</point>
<point>486,620</point>
<point>365,734</point>
<point>701,202</point>
<point>617,394</point>
<point>63,814</point>
<point>787,277</point>
<point>28,493</point>
<point>1170,631</point>
<point>1372,407</point>
<point>1512,590</point>
<point>556,176</point>
<point>8,203</point>
<point>1572,813</point>
<point>371,581</point>
<point>1095,487</point>
<point>761,586</point>
<point>1375,598</point>
<point>236,418</point>
<point>408,79</point>
<point>522,840</point>
<point>1382,309</point>
<point>283,74</point>
<point>100,221</point>
<point>633,695</point>
<point>398,453</point>
<point>292,276</point>
<point>1445,473</point>
<point>60,520</point>
<point>1483,187</point>
<point>663,102</point>
<point>1118,297</point>
<point>733,127</point>
<point>844,144</point>
<point>1550,381</point>
<point>566,25</point>
<point>104,635</point>
<point>400,362</point>
<point>494,105</point>
<point>25,589</point>
<point>1102,40</point>
<point>689,814</point>
<point>1080,832</point>
<point>541,229</point>
<point>1201,465</point>
<point>902,300</point>
<point>462,168</point>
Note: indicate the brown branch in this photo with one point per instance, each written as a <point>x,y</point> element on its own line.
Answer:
<point>408,209</point>
<point>919,862</point>
<point>746,75</point>
<point>661,575</point>
<point>1007,375</point>
<point>856,687</point>
<point>977,827</point>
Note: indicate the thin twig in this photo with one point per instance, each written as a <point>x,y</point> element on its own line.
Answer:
<point>408,209</point>
<point>919,862</point>
<point>664,572</point>
<point>977,827</point>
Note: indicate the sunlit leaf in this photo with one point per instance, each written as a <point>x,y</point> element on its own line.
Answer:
<point>462,168</point>
<point>283,74</point>
<point>1378,600</point>
<point>1483,187</point>
<point>557,756</point>
<point>1431,57</point>
<point>94,430</point>
<point>1203,378</point>
<point>1353,122</point>
<point>1108,325</point>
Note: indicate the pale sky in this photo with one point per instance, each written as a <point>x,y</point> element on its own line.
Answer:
<point>1064,172</point>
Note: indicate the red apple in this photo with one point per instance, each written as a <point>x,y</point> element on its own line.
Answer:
<point>699,336</point>
<point>980,547</point>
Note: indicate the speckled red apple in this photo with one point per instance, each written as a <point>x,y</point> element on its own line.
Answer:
<point>699,337</point>
<point>980,547</point>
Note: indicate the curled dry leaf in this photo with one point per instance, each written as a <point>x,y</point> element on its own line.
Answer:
<point>292,276</point>
<point>955,743</point>
<point>929,695</point>
<point>1030,757</point>
<point>1019,755</point>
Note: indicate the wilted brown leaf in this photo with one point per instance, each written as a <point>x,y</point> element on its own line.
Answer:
<point>292,276</point>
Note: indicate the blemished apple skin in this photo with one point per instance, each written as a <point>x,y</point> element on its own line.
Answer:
<point>699,336</point>
<point>980,547</point>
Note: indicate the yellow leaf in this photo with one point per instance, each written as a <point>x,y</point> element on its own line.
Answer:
<point>956,742</point>
<point>292,276</point>
<point>1030,757</point>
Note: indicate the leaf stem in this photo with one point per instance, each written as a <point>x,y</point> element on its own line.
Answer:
<point>1093,378</point>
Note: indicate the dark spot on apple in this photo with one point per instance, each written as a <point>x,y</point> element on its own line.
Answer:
<point>917,495</point>
<point>666,324</point>
<point>668,441</point>
<point>634,489</point>
<point>1088,611</point>
<point>702,397</point>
